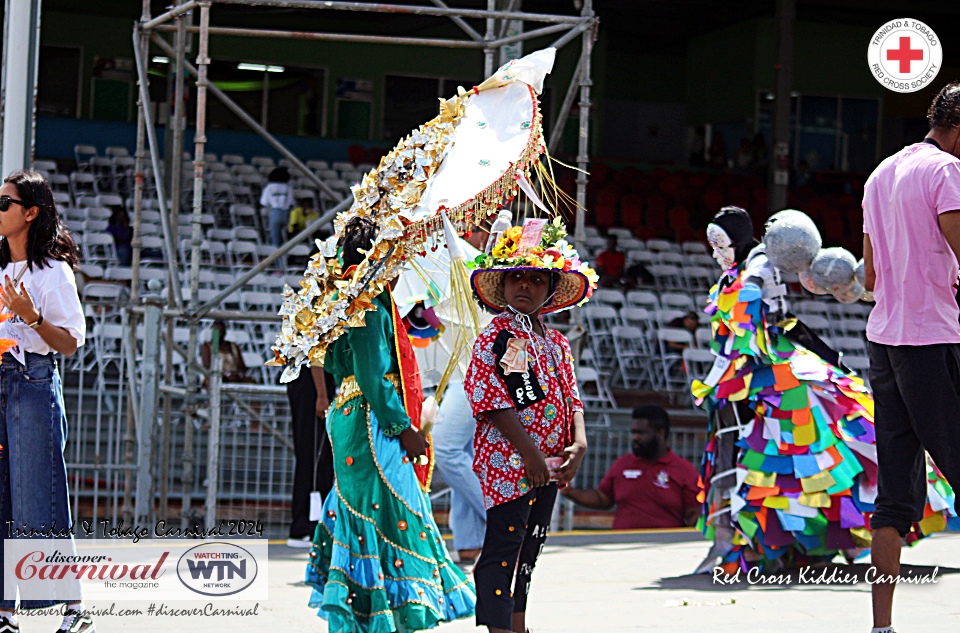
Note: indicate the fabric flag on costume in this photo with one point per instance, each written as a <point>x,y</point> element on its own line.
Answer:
<point>806,461</point>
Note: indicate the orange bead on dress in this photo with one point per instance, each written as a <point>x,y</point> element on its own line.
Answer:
<point>402,525</point>
<point>349,460</point>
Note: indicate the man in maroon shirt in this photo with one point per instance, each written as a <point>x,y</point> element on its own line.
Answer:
<point>652,487</point>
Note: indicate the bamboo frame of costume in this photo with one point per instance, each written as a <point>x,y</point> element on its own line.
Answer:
<point>148,31</point>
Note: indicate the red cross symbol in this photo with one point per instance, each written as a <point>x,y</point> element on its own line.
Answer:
<point>905,54</point>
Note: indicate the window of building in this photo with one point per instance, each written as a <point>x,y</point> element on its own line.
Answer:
<point>284,99</point>
<point>58,81</point>
<point>828,133</point>
<point>412,101</point>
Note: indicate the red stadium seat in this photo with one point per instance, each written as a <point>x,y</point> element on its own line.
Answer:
<point>656,213</point>
<point>630,211</point>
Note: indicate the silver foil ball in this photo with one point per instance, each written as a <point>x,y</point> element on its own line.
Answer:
<point>792,240</point>
<point>867,296</point>
<point>806,280</point>
<point>859,273</point>
<point>851,295</point>
<point>832,269</point>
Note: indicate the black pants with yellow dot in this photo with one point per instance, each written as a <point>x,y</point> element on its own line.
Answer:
<point>515,534</point>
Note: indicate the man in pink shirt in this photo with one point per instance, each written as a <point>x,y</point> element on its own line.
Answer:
<point>911,244</point>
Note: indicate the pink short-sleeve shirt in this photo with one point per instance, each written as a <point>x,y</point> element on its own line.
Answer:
<point>916,269</point>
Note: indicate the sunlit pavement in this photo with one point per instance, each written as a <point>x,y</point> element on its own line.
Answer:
<point>636,581</point>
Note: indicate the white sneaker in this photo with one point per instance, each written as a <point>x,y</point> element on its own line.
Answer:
<point>302,543</point>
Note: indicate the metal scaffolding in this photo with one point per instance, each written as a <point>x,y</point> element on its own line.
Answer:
<point>154,384</point>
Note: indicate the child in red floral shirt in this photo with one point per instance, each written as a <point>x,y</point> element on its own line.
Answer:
<point>530,432</point>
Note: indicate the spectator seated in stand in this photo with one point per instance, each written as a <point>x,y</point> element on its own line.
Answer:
<point>652,487</point>
<point>610,264</point>
<point>301,216</point>
<point>688,322</point>
<point>234,369</point>
<point>119,228</point>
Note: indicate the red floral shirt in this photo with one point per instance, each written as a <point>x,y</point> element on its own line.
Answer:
<point>548,420</point>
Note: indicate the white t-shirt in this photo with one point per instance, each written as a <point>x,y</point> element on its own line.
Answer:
<point>277,195</point>
<point>53,289</point>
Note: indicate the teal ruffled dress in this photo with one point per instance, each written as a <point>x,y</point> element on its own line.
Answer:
<point>378,563</point>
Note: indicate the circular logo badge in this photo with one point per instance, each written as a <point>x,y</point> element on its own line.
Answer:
<point>217,569</point>
<point>905,55</point>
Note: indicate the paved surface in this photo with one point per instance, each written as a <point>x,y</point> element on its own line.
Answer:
<point>618,582</point>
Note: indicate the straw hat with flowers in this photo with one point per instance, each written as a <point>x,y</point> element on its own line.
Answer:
<point>537,245</point>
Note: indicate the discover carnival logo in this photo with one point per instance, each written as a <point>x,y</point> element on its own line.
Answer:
<point>217,569</point>
<point>905,55</point>
<point>111,569</point>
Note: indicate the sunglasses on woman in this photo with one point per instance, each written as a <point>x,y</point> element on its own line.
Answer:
<point>6,200</point>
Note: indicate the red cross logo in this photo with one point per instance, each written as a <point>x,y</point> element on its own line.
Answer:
<point>905,54</point>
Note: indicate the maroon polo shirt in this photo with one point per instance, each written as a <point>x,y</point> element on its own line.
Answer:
<point>651,494</point>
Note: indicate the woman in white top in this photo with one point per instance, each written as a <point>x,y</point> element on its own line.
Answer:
<point>37,260</point>
<point>278,197</point>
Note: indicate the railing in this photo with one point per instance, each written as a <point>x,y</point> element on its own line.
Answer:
<point>255,458</point>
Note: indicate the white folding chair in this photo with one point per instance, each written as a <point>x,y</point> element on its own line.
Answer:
<point>703,337</point>
<point>852,345</point>
<point>634,357</point>
<point>671,358</point>
<point>697,363</point>
<point>852,327</point>
<point>600,321</point>
<point>243,215</point>
<point>676,301</point>
<point>665,316</point>
<point>593,392</point>
<point>638,317</point>
<point>153,247</point>
<point>83,183</point>
<point>817,323</point>
<point>698,278</point>
<point>220,235</point>
<point>643,299</point>
<point>243,254</point>
<point>658,245</point>
<point>666,276</point>
<point>99,248</point>
<point>610,297</point>
<point>245,233</point>
<point>83,154</point>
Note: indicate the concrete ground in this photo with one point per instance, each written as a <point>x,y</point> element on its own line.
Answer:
<point>613,582</point>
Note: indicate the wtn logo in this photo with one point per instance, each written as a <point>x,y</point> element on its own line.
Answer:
<point>225,569</point>
<point>217,569</point>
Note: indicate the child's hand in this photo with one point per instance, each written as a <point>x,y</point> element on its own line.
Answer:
<point>568,470</point>
<point>537,472</point>
<point>414,444</point>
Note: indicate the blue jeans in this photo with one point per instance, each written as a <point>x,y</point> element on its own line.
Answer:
<point>453,451</point>
<point>33,434</point>
<point>279,218</point>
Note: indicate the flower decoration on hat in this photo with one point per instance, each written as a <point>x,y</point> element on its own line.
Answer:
<point>539,244</point>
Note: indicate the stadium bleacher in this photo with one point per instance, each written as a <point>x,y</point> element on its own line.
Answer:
<point>630,344</point>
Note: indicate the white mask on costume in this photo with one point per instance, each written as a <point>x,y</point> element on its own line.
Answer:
<point>723,250</point>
